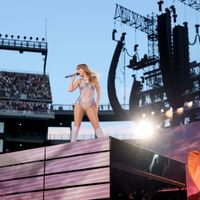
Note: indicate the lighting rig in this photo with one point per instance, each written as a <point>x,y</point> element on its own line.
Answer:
<point>172,80</point>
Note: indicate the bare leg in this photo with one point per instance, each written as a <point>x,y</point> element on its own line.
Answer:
<point>93,117</point>
<point>78,115</point>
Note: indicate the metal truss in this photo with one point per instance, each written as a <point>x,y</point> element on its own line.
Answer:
<point>133,19</point>
<point>195,4</point>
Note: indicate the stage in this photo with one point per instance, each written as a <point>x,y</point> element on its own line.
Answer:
<point>104,168</point>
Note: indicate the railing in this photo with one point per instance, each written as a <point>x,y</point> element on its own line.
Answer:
<point>24,113</point>
<point>69,107</point>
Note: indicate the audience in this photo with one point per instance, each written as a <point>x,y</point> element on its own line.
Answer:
<point>24,92</point>
<point>24,86</point>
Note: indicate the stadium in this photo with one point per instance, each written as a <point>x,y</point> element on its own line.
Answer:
<point>158,159</point>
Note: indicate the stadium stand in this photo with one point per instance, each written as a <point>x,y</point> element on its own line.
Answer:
<point>24,92</point>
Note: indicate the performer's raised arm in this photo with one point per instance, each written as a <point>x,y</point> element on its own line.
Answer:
<point>73,84</point>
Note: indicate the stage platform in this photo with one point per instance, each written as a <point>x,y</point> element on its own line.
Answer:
<point>104,168</point>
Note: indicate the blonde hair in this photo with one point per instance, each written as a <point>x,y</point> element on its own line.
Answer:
<point>92,76</point>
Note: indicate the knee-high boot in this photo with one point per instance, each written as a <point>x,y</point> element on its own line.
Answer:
<point>99,132</point>
<point>74,135</point>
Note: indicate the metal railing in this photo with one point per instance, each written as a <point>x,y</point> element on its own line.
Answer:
<point>70,107</point>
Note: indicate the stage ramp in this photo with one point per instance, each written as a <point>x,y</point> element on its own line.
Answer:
<point>104,168</point>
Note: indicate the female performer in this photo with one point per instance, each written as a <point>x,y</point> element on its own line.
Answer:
<point>85,103</point>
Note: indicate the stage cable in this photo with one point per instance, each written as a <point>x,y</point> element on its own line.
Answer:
<point>124,73</point>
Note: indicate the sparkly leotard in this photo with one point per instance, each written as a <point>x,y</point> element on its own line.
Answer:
<point>86,98</point>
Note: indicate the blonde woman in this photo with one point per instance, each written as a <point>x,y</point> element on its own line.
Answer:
<point>85,103</point>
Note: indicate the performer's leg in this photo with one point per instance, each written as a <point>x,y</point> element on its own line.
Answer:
<point>93,117</point>
<point>78,115</point>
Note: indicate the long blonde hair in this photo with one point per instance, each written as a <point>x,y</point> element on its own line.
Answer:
<point>92,76</point>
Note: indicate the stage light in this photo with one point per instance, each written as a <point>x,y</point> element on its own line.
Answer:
<point>24,37</point>
<point>169,113</point>
<point>18,37</point>
<point>190,104</point>
<point>43,39</point>
<point>144,129</point>
<point>37,38</point>
<point>179,111</point>
<point>31,38</point>
<point>143,115</point>
<point>152,113</point>
<point>6,35</point>
<point>0,35</point>
<point>12,36</point>
<point>162,110</point>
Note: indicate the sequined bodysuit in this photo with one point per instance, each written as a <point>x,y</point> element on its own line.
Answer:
<point>86,98</point>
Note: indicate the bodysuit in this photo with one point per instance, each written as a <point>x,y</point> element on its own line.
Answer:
<point>86,98</point>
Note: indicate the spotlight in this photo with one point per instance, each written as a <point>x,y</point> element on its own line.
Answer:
<point>180,110</point>
<point>169,113</point>
<point>0,35</point>
<point>30,38</point>
<point>12,36</point>
<point>37,38</point>
<point>6,35</point>
<point>152,113</point>
<point>143,115</point>
<point>162,110</point>
<point>24,37</point>
<point>144,129</point>
<point>190,104</point>
<point>43,39</point>
<point>18,37</point>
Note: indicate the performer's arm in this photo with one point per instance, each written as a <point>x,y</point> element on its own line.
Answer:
<point>73,84</point>
<point>98,94</point>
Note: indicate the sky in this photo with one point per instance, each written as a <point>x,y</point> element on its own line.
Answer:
<point>80,31</point>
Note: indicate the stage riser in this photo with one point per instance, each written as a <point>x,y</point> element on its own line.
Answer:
<point>77,178</point>
<point>27,156</point>
<point>21,171</point>
<point>79,193</point>
<point>86,147</point>
<point>57,172</point>
<point>73,163</point>
<point>102,168</point>
<point>21,185</point>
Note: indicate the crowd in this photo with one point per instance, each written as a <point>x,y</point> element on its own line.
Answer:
<point>13,105</point>
<point>24,92</point>
<point>24,86</point>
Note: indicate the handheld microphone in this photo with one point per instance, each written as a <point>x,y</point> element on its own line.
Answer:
<point>68,76</point>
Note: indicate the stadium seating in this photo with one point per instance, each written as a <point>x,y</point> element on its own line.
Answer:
<point>24,92</point>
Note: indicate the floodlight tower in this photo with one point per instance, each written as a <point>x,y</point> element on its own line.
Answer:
<point>22,45</point>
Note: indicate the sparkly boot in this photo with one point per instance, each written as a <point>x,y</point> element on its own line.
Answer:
<point>74,134</point>
<point>99,132</point>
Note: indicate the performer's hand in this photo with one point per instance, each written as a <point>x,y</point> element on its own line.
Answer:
<point>74,76</point>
